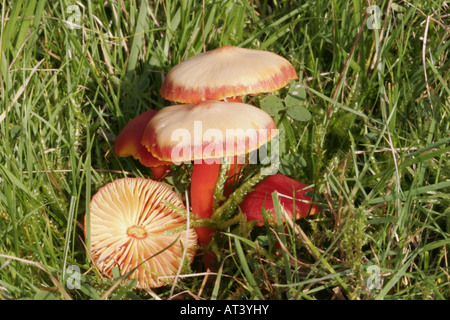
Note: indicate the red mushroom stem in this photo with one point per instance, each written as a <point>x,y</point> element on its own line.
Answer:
<point>203,182</point>
<point>160,171</point>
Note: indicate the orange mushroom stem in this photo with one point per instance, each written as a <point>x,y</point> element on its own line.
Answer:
<point>203,181</point>
<point>128,143</point>
<point>159,172</point>
<point>292,195</point>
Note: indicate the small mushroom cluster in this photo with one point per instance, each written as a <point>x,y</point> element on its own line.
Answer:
<point>207,90</point>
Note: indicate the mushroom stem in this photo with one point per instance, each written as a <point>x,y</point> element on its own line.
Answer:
<point>160,171</point>
<point>203,182</point>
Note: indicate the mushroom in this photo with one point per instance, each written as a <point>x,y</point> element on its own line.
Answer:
<point>128,143</point>
<point>226,73</point>
<point>288,190</point>
<point>132,228</point>
<point>205,133</point>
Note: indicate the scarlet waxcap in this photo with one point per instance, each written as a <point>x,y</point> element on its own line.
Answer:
<point>288,189</point>
<point>226,72</point>
<point>128,142</point>
<point>207,130</point>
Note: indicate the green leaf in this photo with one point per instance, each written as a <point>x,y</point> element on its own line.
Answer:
<point>296,95</point>
<point>15,131</point>
<point>290,162</point>
<point>90,291</point>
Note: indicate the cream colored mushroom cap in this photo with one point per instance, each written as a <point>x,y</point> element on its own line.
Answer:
<point>207,130</point>
<point>226,72</point>
<point>131,227</point>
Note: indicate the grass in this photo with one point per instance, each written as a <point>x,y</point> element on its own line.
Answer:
<point>372,137</point>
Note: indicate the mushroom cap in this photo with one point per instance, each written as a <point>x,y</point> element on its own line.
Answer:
<point>128,142</point>
<point>261,196</point>
<point>131,227</point>
<point>226,72</point>
<point>207,130</point>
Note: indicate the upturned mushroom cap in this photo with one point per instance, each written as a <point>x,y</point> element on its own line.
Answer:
<point>131,227</point>
<point>207,130</point>
<point>226,72</point>
<point>261,197</point>
<point>128,142</point>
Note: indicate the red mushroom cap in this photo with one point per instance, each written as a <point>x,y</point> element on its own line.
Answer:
<point>227,72</point>
<point>261,197</point>
<point>128,142</point>
<point>207,130</point>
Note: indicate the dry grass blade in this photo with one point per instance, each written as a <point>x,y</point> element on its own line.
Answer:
<point>20,91</point>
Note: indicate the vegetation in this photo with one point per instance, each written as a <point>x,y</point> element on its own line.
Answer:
<point>370,134</point>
